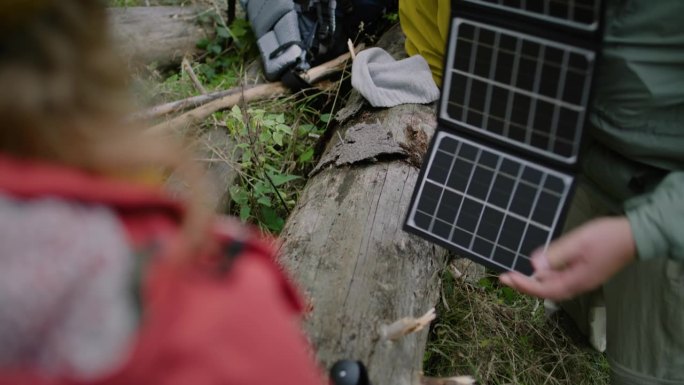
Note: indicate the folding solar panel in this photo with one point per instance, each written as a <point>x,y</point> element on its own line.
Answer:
<point>500,169</point>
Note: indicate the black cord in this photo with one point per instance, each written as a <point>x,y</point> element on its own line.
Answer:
<point>231,11</point>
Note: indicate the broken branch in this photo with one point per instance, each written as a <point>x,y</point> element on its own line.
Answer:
<point>255,93</point>
<point>185,64</point>
<point>459,380</point>
<point>407,326</point>
<point>183,104</point>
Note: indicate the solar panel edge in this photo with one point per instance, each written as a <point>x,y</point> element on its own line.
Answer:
<point>496,13</point>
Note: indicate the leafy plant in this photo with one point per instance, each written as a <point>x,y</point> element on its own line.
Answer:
<point>226,51</point>
<point>274,153</point>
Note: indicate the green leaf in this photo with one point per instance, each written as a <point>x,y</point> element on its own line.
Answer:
<point>238,29</point>
<point>284,128</point>
<point>264,201</point>
<point>261,188</point>
<point>236,113</point>
<point>281,179</point>
<point>268,122</point>
<point>325,118</point>
<point>203,43</point>
<point>306,155</point>
<point>247,156</point>
<point>208,72</point>
<point>278,138</point>
<point>509,295</point>
<point>238,195</point>
<point>245,212</point>
<point>215,48</point>
<point>224,33</point>
<point>271,219</point>
<point>485,283</point>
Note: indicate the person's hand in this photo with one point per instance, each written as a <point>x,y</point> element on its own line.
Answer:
<point>580,261</point>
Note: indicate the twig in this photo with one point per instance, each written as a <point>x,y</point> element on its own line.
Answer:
<point>459,380</point>
<point>185,64</point>
<point>350,46</point>
<point>407,326</point>
<point>252,94</point>
<point>183,104</point>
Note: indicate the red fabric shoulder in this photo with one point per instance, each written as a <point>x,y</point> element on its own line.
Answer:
<point>232,327</point>
<point>228,319</point>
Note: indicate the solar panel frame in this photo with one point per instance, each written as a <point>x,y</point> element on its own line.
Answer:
<point>546,14</point>
<point>487,204</point>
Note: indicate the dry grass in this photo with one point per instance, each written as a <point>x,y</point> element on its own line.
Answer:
<point>502,337</point>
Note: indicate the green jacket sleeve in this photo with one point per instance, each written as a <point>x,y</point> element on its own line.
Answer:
<point>657,220</point>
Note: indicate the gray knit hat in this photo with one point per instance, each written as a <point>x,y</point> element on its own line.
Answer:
<point>385,82</point>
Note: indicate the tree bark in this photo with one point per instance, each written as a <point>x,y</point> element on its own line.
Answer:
<point>160,35</point>
<point>345,245</point>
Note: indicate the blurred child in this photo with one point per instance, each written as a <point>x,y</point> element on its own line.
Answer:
<point>104,279</point>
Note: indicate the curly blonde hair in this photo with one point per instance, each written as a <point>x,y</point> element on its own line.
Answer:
<point>63,94</point>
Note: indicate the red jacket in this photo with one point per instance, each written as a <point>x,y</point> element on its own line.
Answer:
<point>228,320</point>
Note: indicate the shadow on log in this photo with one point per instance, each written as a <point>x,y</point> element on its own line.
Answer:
<point>345,245</point>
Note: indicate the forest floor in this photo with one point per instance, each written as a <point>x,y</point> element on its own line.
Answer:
<point>483,329</point>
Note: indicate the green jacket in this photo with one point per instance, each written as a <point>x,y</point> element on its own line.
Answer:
<point>638,119</point>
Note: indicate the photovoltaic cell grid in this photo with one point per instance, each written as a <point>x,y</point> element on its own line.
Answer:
<point>491,205</point>
<point>525,90</point>
<point>582,14</point>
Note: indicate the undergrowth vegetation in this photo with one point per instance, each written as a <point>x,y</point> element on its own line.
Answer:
<point>502,337</point>
<point>482,329</point>
<point>274,139</point>
<point>276,151</point>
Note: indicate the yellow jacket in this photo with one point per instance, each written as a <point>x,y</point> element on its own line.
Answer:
<point>426,26</point>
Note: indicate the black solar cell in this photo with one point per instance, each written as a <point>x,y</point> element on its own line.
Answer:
<point>528,91</point>
<point>494,206</point>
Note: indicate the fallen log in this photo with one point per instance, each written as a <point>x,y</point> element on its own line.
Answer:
<point>344,244</point>
<point>159,35</point>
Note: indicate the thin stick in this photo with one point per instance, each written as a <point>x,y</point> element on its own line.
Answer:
<point>183,104</point>
<point>350,46</point>
<point>459,380</point>
<point>185,64</point>
<point>252,94</point>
